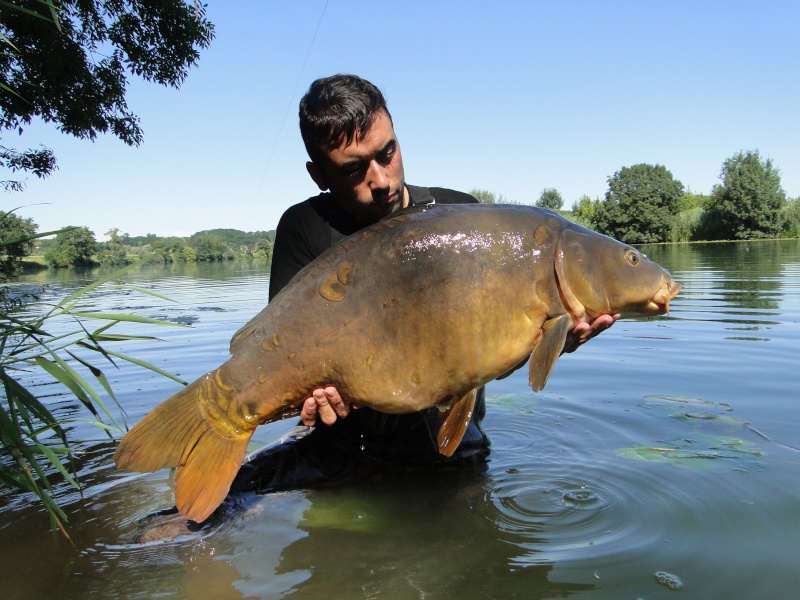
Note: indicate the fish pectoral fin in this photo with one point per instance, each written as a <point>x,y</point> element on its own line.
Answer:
<point>456,422</point>
<point>547,350</point>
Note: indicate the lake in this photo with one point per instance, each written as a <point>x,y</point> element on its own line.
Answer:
<point>665,446</point>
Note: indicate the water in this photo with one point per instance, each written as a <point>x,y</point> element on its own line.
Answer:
<point>664,446</point>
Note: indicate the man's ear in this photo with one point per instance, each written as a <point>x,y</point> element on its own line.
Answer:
<point>317,175</point>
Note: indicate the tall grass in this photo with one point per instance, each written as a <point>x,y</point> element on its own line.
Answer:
<point>34,443</point>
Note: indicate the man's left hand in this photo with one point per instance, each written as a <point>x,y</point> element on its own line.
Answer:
<point>324,404</point>
<point>583,332</point>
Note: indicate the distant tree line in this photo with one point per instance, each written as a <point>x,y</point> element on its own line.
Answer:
<point>77,246</point>
<point>645,204</point>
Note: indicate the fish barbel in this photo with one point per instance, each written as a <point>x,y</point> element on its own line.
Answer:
<point>418,310</point>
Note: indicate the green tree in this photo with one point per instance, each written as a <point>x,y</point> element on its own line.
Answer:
<point>791,218</point>
<point>239,239</point>
<point>483,196</point>
<point>584,210</point>
<point>550,199</point>
<point>263,249</point>
<point>749,202</point>
<point>73,248</point>
<point>68,64</point>
<point>139,240</point>
<point>15,241</point>
<point>689,201</point>
<point>210,247</point>
<point>640,205</point>
<point>113,252</point>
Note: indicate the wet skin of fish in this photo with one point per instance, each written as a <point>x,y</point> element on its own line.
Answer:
<point>417,310</point>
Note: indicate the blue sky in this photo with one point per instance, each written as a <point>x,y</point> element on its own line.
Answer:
<point>512,97</point>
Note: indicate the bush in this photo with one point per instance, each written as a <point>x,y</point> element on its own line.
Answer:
<point>687,224</point>
<point>749,202</point>
<point>74,247</point>
<point>790,216</point>
<point>641,204</point>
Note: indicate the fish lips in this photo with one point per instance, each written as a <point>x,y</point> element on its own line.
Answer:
<point>659,303</point>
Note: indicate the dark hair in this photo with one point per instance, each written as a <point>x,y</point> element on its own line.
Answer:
<point>337,108</point>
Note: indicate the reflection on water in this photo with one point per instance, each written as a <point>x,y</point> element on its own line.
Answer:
<point>666,445</point>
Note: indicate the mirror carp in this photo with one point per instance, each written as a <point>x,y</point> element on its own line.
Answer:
<point>417,310</point>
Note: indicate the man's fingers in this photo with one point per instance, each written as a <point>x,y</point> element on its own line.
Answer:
<point>583,332</point>
<point>308,414</point>
<point>324,404</point>
<point>333,398</point>
<point>602,323</point>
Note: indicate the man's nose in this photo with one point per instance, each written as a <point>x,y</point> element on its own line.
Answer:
<point>376,176</point>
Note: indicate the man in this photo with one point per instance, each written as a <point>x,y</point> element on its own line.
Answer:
<point>356,162</point>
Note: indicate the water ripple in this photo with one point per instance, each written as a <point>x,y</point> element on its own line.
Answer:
<point>570,503</point>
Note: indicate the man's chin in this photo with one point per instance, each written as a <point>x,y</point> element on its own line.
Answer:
<point>386,208</point>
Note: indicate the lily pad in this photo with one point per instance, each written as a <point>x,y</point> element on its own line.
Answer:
<point>712,437</point>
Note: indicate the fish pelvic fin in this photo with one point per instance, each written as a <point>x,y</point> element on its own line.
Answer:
<point>455,423</point>
<point>179,433</point>
<point>547,350</point>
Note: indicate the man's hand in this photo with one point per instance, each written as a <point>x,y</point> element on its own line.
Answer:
<point>326,404</point>
<point>583,332</point>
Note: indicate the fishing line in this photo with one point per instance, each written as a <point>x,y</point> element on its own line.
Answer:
<point>286,114</point>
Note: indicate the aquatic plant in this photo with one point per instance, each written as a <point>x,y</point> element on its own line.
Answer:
<point>53,341</point>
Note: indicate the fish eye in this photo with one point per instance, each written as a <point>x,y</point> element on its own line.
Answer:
<point>632,257</point>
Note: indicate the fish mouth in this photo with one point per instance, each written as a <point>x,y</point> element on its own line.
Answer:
<point>659,303</point>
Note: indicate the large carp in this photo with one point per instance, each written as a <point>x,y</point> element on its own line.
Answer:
<point>417,310</point>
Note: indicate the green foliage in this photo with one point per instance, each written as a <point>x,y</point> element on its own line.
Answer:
<point>550,199</point>
<point>585,209</point>
<point>487,197</point>
<point>34,443</point>
<point>70,66</point>
<point>112,253</point>
<point>749,202</point>
<point>262,249</point>
<point>171,250</point>
<point>687,224</point>
<point>39,162</point>
<point>140,240</point>
<point>16,241</point>
<point>210,247</point>
<point>483,196</point>
<point>690,200</point>
<point>641,204</point>
<point>73,248</point>
<point>791,219</point>
<point>240,239</point>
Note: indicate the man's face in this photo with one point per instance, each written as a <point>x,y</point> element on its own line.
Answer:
<point>366,177</point>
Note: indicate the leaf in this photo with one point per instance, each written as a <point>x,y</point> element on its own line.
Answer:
<point>68,302</point>
<point>113,337</point>
<point>100,376</point>
<point>147,365</point>
<point>76,384</point>
<point>126,318</point>
<point>151,293</point>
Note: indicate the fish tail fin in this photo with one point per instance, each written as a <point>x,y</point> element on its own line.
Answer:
<point>178,433</point>
<point>204,480</point>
